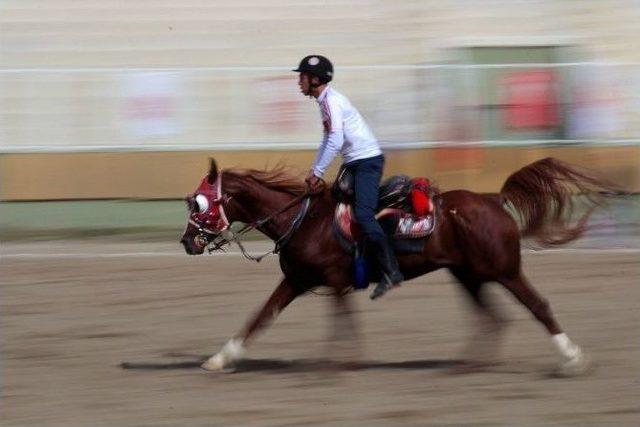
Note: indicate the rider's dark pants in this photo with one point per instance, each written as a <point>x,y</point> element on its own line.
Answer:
<point>367,174</point>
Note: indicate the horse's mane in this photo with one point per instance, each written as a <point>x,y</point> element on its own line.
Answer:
<point>279,178</point>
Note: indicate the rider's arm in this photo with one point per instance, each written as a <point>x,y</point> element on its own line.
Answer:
<point>332,141</point>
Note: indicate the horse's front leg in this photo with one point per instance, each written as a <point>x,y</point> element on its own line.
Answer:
<point>234,349</point>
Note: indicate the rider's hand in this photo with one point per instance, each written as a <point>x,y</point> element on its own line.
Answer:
<point>315,184</point>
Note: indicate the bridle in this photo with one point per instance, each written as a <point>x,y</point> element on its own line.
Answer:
<point>214,240</point>
<point>228,236</point>
<point>222,222</point>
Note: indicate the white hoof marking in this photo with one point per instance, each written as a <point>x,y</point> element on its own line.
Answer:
<point>232,351</point>
<point>576,361</point>
<point>214,363</point>
<point>577,366</point>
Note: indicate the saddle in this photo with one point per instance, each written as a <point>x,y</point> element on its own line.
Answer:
<point>406,211</point>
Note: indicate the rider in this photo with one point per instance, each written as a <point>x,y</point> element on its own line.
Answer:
<point>346,132</point>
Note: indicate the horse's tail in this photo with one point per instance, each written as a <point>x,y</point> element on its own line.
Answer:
<point>544,195</point>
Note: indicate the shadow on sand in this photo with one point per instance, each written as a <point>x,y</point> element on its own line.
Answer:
<point>293,365</point>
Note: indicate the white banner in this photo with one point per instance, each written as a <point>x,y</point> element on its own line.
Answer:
<point>150,104</point>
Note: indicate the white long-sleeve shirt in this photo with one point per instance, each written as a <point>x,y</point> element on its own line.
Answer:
<point>345,132</point>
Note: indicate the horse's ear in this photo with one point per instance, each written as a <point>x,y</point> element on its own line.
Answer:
<point>213,171</point>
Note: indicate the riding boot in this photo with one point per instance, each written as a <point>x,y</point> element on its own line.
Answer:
<point>391,275</point>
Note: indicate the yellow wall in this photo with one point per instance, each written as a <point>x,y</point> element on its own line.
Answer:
<point>153,175</point>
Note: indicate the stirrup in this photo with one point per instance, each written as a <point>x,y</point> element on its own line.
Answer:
<point>383,287</point>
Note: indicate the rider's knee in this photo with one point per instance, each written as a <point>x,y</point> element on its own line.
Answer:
<point>363,220</point>
<point>364,216</point>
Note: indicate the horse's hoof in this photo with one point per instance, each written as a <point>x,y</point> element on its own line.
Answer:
<point>579,365</point>
<point>223,360</point>
<point>216,363</point>
<point>210,366</point>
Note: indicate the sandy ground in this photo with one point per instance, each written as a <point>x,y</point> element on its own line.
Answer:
<point>73,313</point>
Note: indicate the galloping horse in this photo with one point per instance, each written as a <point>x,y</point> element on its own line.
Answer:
<point>475,238</point>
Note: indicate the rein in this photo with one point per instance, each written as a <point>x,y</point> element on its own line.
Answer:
<point>280,243</point>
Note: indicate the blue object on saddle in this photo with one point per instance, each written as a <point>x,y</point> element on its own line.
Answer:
<point>361,270</point>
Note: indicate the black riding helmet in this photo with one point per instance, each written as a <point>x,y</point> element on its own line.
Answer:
<point>316,65</point>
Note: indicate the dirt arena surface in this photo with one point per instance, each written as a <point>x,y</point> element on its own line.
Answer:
<point>73,313</point>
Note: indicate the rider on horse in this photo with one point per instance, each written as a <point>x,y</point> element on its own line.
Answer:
<point>346,132</point>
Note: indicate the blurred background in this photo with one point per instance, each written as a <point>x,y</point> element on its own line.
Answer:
<point>109,109</point>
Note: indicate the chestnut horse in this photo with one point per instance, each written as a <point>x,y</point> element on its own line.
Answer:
<point>475,238</point>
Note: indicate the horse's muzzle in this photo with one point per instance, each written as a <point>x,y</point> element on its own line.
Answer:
<point>192,246</point>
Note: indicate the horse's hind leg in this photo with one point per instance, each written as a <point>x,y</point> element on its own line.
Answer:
<point>344,341</point>
<point>484,344</point>
<point>575,361</point>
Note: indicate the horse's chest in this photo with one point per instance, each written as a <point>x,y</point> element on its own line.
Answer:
<point>297,267</point>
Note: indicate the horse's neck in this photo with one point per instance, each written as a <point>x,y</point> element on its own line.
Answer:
<point>261,202</point>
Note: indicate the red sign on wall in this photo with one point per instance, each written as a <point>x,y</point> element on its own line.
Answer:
<point>531,101</point>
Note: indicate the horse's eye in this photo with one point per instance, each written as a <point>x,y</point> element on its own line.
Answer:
<point>202,203</point>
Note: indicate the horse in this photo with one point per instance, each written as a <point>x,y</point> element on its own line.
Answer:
<point>477,238</point>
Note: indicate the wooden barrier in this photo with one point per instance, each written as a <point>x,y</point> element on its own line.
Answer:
<point>168,175</point>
